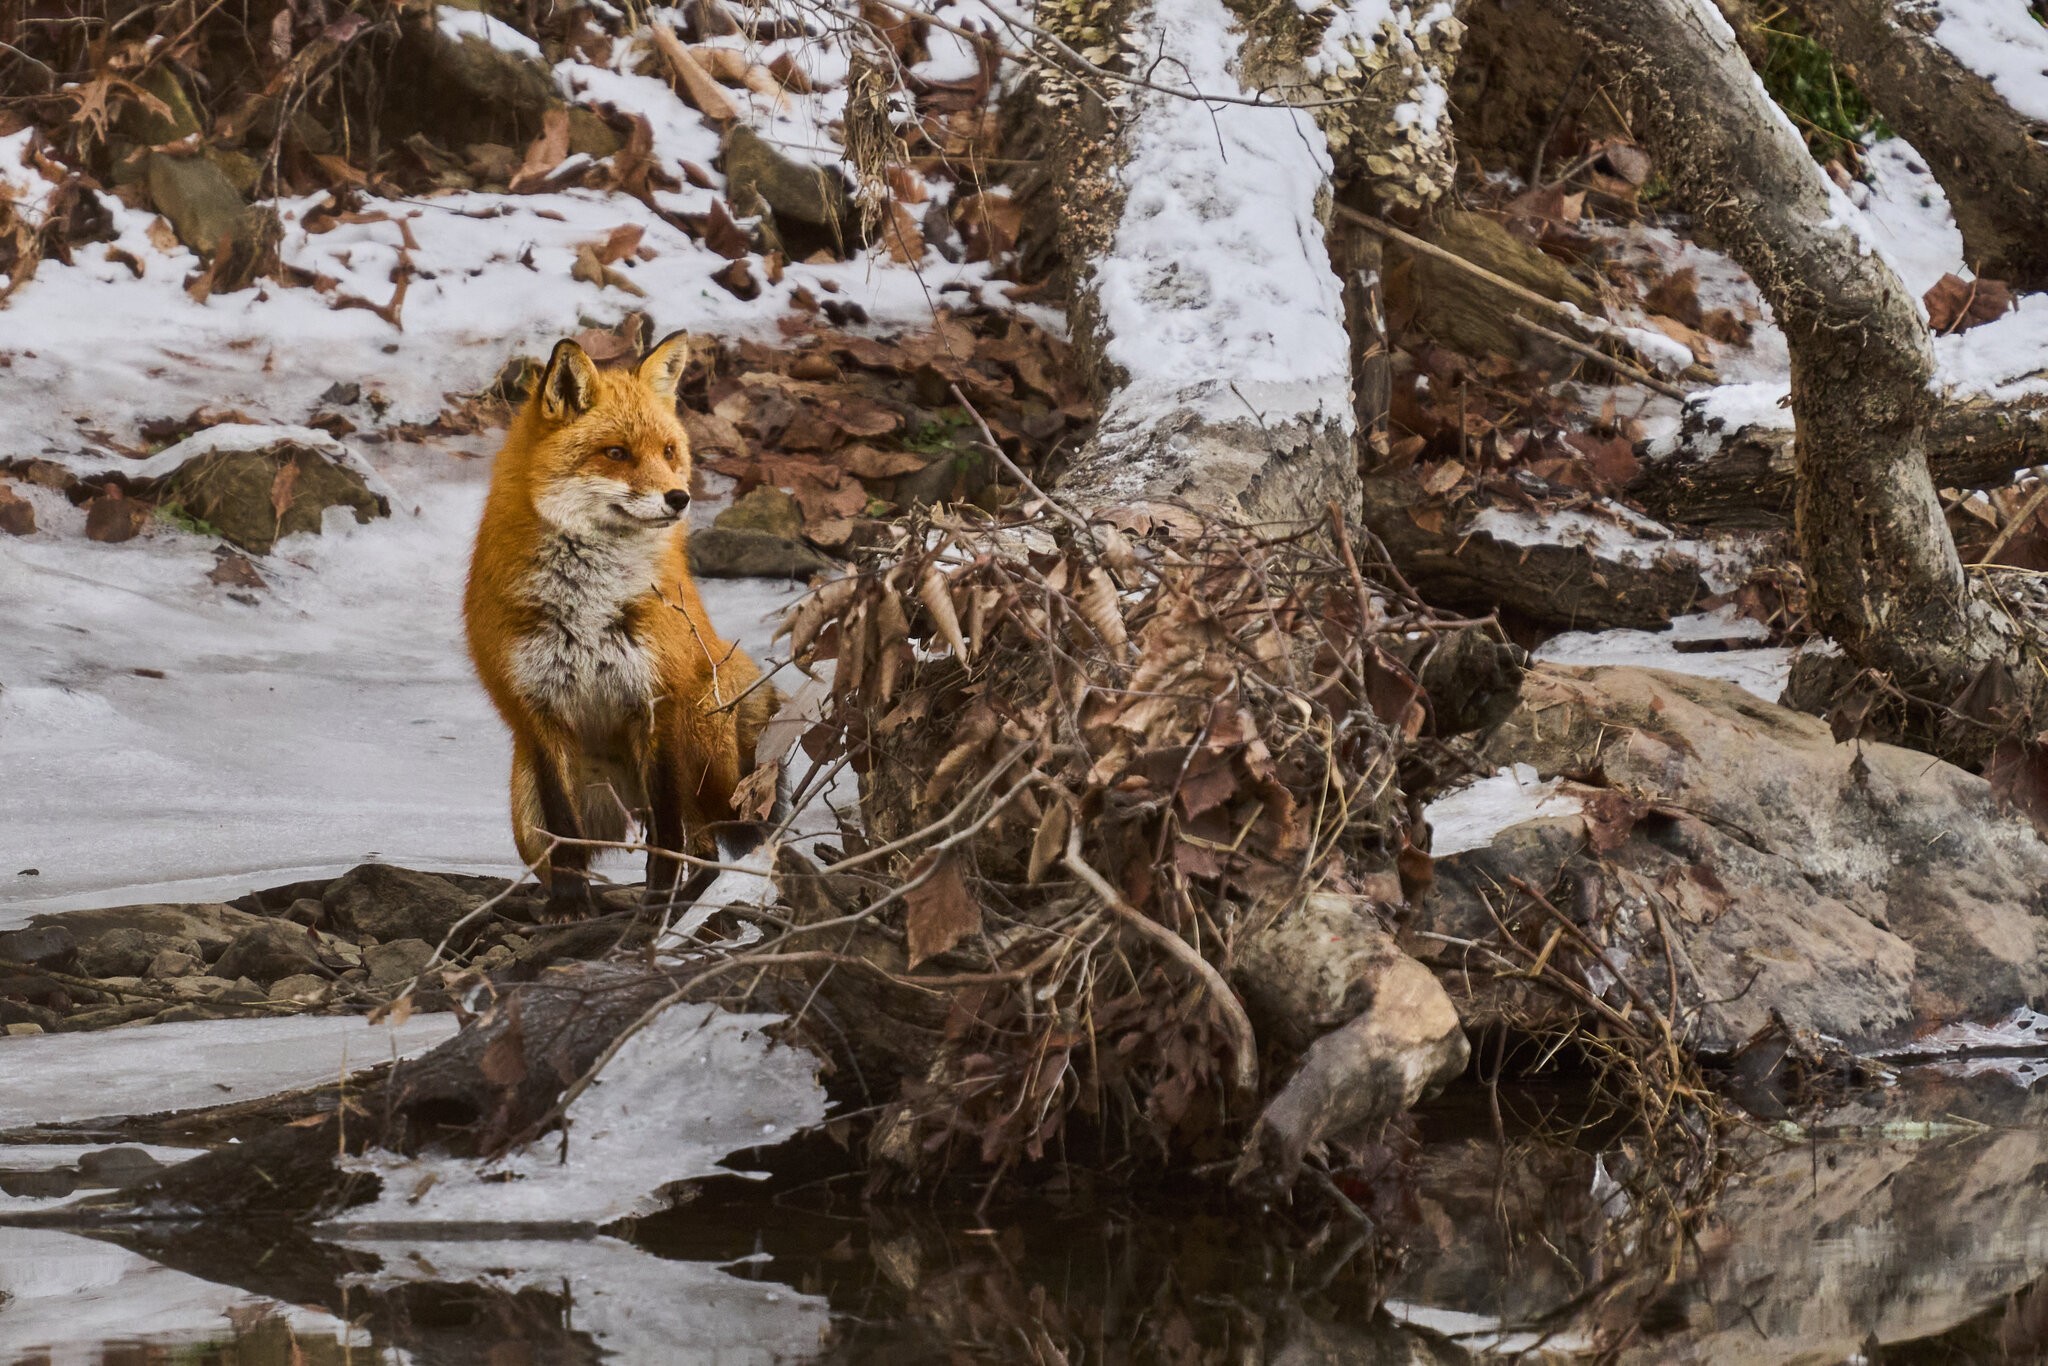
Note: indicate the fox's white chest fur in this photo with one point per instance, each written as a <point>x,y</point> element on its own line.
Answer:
<point>582,663</point>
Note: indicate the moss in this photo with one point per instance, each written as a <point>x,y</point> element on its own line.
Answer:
<point>1810,86</point>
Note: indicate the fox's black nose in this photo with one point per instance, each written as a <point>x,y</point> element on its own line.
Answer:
<point>677,499</point>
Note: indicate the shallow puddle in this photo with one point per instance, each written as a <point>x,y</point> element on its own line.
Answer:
<point>1912,1226</point>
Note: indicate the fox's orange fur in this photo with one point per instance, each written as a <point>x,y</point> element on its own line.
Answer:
<point>588,632</point>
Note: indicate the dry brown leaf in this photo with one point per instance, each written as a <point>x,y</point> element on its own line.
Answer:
<point>988,223</point>
<point>753,799</point>
<point>937,598</point>
<point>281,486</point>
<point>692,81</point>
<point>1443,478</point>
<point>867,462</point>
<point>1956,305</point>
<point>1099,607</point>
<point>544,153</point>
<point>1050,841</point>
<point>940,911</point>
<point>504,1059</point>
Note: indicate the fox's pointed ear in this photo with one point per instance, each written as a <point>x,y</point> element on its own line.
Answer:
<point>569,385</point>
<point>663,369</point>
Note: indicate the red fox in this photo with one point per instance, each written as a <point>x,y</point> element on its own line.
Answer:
<point>589,635</point>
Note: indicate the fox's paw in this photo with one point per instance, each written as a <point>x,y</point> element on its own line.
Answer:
<point>567,901</point>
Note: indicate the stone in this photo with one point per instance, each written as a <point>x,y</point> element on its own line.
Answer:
<point>590,135</point>
<point>398,962</point>
<point>302,987</point>
<point>766,509</point>
<point>198,195</point>
<point>388,903</point>
<point>42,946</point>
<point>731,553</point>
<point>170,962</point>
<point>758,176</point>
<point>514,83</point>
<point>1862,891</point>
<point>270,950</point>
<point>306,911</point>
<point>234,491</point>
<point>17,514</point>
<point>14,1012</point>
<point>121,952</point>
<point>117,1166</point>
<point>114,517</point>
<point>15,1031</point>
<point>172,117</point>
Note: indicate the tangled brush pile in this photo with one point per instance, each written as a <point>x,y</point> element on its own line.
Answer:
<point>1089,763</point>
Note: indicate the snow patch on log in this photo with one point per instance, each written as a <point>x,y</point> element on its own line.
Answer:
<point>1216,300</point>
<point>464,23</point>
<point>697,1084</point>
<point>2005,359</point>
<point>2004,43</point>
<point>1626,538</point>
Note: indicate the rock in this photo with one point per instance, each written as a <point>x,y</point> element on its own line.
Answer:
<point>205,987</point>
<point>517,85</point>
<point>766,509</point>
<point>22,1013</point>
<point>121,952</point>
<point>268,951</point>
<point>397,962</point>
<point>590,135</point>
<point>117,1166</point>
<point>114,517</point>
<point>43,946</point>
<point>171,118</point>
<point>342,392</point>
<point>198,195</point>
<point>732,553</point>
<point>1862,891</point>
<point>236,491</point>
<point>17,514</point>
<point>759,177</point>
<point>306,911</point>
<point>390,903</point>
<point>170,962</point>
<point>22,1029</point>
<point>206,926</point>
<point>107,1017</point>
<point>1374,1030</point>
<point>302,987</point>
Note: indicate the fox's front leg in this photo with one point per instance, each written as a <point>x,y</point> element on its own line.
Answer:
<point>543,811</point>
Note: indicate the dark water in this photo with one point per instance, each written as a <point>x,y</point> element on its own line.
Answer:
<point>1908,1226</point>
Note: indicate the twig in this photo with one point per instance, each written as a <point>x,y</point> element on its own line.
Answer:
<point>995,448</point>
<point>2015,522</point>
<point>1244,1044</point>
<point>1594,353</point>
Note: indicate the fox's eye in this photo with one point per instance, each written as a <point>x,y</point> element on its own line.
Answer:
<point>618,453</point>
<point>672,453</point>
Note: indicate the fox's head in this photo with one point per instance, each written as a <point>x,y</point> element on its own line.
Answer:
<point>610,457</point>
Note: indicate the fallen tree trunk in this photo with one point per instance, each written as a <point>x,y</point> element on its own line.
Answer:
<point>1990,157</point>
<point>1746,476</point>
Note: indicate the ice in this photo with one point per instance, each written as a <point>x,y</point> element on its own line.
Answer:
<point>1217,292</point>
<point>694,1086</point>
<point>635,1306</point>
<point>59,1078</point>
<point>1760,670</point>
<point>65,1299</point>
<point>1472,816</point>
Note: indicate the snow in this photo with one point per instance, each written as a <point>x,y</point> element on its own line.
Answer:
<point>2005,359</point>
<point>1760,670</point>
<point>466,23</point>
<point>67,1301</point>
<point>2001,41</point>
<point>1624,538</point>
<point>1217,293</point>
<point>695,1085</point>
<point>635,1306</point>
<point>192,1064</point>
<point>1909,215</point>
<point>1472,816</point>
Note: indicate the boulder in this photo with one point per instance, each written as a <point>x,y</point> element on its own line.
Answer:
<point>170,962</point>
<point>121,941</point>
<point>1863,891</point>
<point>268,951</point>
<point>761,180</point>
<point>43,946</point>
<point>736,553</point>
<point>398,962</point>
<point>766,509</point>
<point>304,988</point>
<point>255,485</point>
<point>388,903</point>
<point>17,514</point>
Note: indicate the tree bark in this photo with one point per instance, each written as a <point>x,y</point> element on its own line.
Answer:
<point>1747,477</point>
<point>1990,159</point>
<point>1883,574</point>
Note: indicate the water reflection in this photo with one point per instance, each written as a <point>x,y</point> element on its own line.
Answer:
<point>1914,1228</point>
